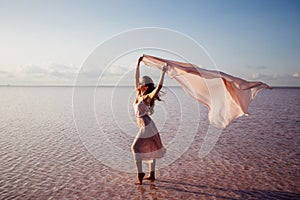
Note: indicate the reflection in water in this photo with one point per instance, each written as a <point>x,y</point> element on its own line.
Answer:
<point>147,191</point>
<point>199,191</point>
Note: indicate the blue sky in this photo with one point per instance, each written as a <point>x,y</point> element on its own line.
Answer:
<point>46,42</point>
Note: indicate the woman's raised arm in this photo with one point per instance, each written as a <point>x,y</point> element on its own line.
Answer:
<point>137,73</point>
<point>160,83</point>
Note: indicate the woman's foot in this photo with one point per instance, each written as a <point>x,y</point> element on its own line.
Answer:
<point>140,178</point>
<point>151,177</point>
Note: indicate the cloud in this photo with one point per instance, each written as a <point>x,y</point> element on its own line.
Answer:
<point>293,75</point>
<point>65,74</point>
<point>6,74</point>
<point>34,69</point>
<point>34,74</point>
<point>89,71</point>
<point>296,75</point>
<point>117,70</point>
<point>258,75</point>
<point>258,67</point>
<point>53,70</point>
<point>282,79</point>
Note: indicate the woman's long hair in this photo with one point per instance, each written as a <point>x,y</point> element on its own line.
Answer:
<point>150,87</point>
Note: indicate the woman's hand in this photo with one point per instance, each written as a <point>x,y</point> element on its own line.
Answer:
<point>165,67</point>
<point>140,59</point>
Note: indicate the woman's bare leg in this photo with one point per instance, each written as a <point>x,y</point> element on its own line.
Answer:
<point>139,168</point>
<point>151,176</point>
<point>152,165</point>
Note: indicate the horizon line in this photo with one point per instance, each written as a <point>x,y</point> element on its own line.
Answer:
<point>52,85</point>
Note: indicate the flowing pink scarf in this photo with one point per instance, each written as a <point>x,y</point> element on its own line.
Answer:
<point>227,97</point>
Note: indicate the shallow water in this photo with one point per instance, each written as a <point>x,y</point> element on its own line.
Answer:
<point>44,154</point>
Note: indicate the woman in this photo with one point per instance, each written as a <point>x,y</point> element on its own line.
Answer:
<point>147,144</point>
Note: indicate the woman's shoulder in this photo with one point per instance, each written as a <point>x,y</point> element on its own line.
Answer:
<point>138,91</point>
<point>144,98</point>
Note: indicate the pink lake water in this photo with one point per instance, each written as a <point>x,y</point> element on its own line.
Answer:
<point>44,154</point>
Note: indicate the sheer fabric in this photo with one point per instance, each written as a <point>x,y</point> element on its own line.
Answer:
<point>227,97</point>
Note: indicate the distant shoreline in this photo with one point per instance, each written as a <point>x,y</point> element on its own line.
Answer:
<point>172,86</point>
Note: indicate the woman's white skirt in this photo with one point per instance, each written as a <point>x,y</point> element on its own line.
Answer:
<point>147,144</point>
